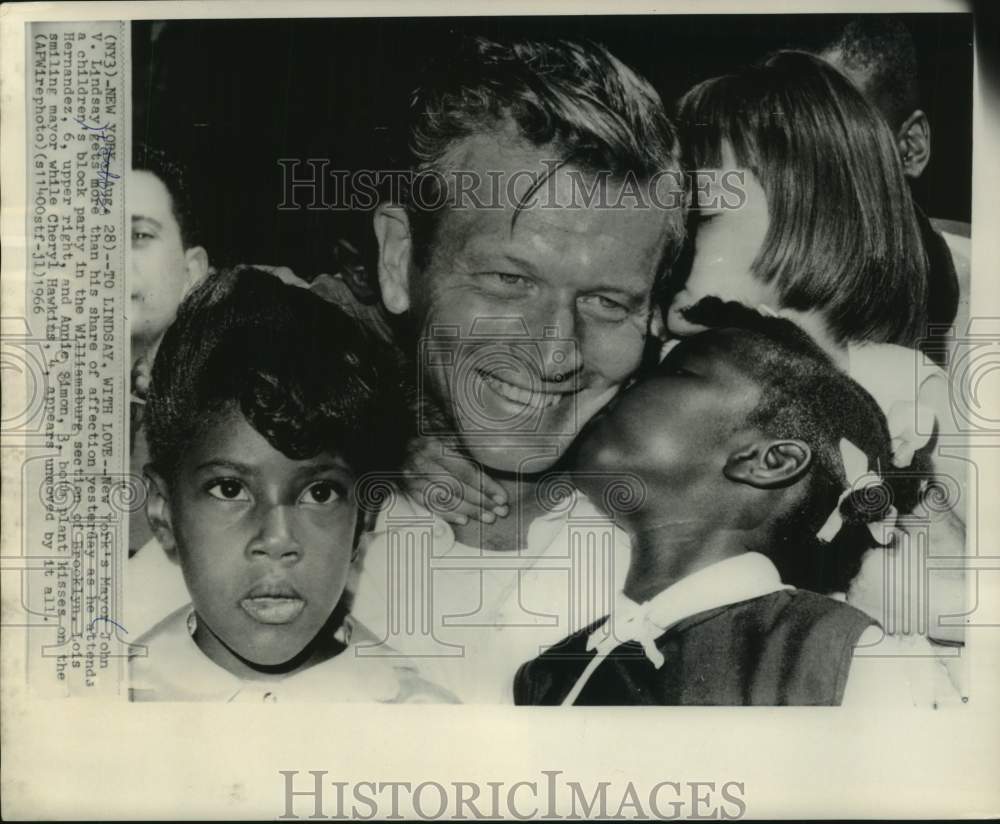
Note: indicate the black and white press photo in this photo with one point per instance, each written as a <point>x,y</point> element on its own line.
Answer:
<point>618,384</point>
<point>666,334</point>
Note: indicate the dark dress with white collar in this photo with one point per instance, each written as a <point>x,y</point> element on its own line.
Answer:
<point>791,647</point>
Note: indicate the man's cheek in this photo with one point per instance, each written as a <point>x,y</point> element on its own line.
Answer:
<point>612,356</point>
<point>460,308</point>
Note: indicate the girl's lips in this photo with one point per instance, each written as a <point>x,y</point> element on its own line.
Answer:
<point>268,609</point>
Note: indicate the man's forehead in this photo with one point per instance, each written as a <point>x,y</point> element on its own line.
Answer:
<point>508,195</point>
<point>540,227</point>
<point>503,149</point>
<point>148,196</point>
<point>504,170</point>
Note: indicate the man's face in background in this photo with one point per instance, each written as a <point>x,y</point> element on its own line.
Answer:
<point>162,270</point>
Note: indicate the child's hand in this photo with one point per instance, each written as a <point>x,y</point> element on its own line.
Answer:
<point>482,498</point>
<point>141,370</point>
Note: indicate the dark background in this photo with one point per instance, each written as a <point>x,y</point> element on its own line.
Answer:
<point>230,98</point>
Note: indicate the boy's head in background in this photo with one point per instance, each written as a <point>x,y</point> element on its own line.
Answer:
<point>266,405</point>
<point>877,52</point>
<point>737,437</point>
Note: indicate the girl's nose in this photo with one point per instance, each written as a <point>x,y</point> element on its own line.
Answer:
<point>276,538</point>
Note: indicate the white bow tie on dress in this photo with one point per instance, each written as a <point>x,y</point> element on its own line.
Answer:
<point>629,622</point>
<point>746,576</point>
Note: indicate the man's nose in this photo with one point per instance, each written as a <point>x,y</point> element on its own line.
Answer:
<point>275,539</point>
<point>560,358</point>
<point>555,331</point>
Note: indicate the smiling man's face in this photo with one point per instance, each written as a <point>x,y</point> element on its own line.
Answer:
<point>530,320</point>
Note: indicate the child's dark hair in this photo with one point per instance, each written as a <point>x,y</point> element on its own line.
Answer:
<point>880,46</point>
<point>305,375</point>
<point>843,235</point>
<point>805,396</point>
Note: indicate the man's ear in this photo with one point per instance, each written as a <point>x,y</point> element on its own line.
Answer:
<point>158,511</point>
<point>769,464</point>
<point>914,142</point>
<point>196,260</point>
<point>392,230</point>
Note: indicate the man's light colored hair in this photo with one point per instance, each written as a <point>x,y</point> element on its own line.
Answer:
<point>576,97</point>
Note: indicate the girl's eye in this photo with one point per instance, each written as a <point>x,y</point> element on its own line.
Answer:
<point>321,492</point>
<point>604,308</point>
<point>228,489</point>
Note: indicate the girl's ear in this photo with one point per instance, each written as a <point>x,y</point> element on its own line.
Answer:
<point>769,464</point>
<point>158,511</point>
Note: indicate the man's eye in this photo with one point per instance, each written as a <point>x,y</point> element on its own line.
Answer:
<point>507,282</point>
<point>321,492</point>
<point>141,237</point>
<point>604,308</point>
<point>228,489</point>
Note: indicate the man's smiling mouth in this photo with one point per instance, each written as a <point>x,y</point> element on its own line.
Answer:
<point>527,398</point>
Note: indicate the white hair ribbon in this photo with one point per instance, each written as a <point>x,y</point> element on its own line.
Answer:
<point>855,462</point>
<point>856,468</point>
